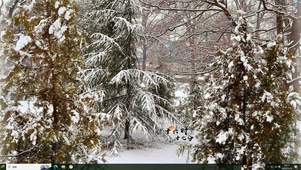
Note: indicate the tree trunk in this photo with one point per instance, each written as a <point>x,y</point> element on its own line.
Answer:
<point>128,86</point>
<point>144,41</point>
<point>294,39</point>
<point>193,60</point>
<point>127,129</point>
<point>279,17</point>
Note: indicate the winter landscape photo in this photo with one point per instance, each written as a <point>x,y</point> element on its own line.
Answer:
<point>151,82</point>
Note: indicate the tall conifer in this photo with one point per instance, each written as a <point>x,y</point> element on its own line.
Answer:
<point>250,108</point>
<point>44,118</point>
<point>129,97</point>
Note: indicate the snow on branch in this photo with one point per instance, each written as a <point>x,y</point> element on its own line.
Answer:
<point>290,82</point>
<point>104,40</point>
<point>125,76</point>
<point>147,100</point>
<point>23,41</point>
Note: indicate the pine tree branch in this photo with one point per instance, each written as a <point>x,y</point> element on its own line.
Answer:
<point>294,80</point>
<point>19,154</point>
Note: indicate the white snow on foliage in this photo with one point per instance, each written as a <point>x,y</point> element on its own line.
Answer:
<point>2,33</point>
<point>15,134</point>
<point>33,137</point>
<point>66,139</point>
<point>267,96</point>
<point>57,4</point>
<point>269,117</point>
<point>58,30</point>
<point>259,50</point>
<point>181,93</point>
<point>62,10</point>
<point>230,65</point>
<point>249,37</point>
<point>68,15</point>
<point>271,44</point>
<point>22,42</point>
<point>207,95</point>
<point>238,119</point>
<point>26,106</point>
<point>30,6</point>
<point>221,137</point>
<point>294,99</point>
<point>39,28</point>
<point>237,38</point>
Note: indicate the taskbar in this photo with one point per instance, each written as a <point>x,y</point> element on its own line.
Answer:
<point>53,166</point>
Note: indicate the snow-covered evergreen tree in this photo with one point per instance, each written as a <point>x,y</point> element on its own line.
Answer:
<point>249,108</point>
<point>44,119</point>
<point>131,98</point>
<point>187,103</point>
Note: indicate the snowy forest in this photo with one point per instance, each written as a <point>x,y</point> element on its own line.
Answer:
<point>79,79</point>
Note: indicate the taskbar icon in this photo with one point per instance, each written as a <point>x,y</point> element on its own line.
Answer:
<point>63,167</point>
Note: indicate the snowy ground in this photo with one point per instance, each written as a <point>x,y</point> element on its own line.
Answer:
<point>158,153</point>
